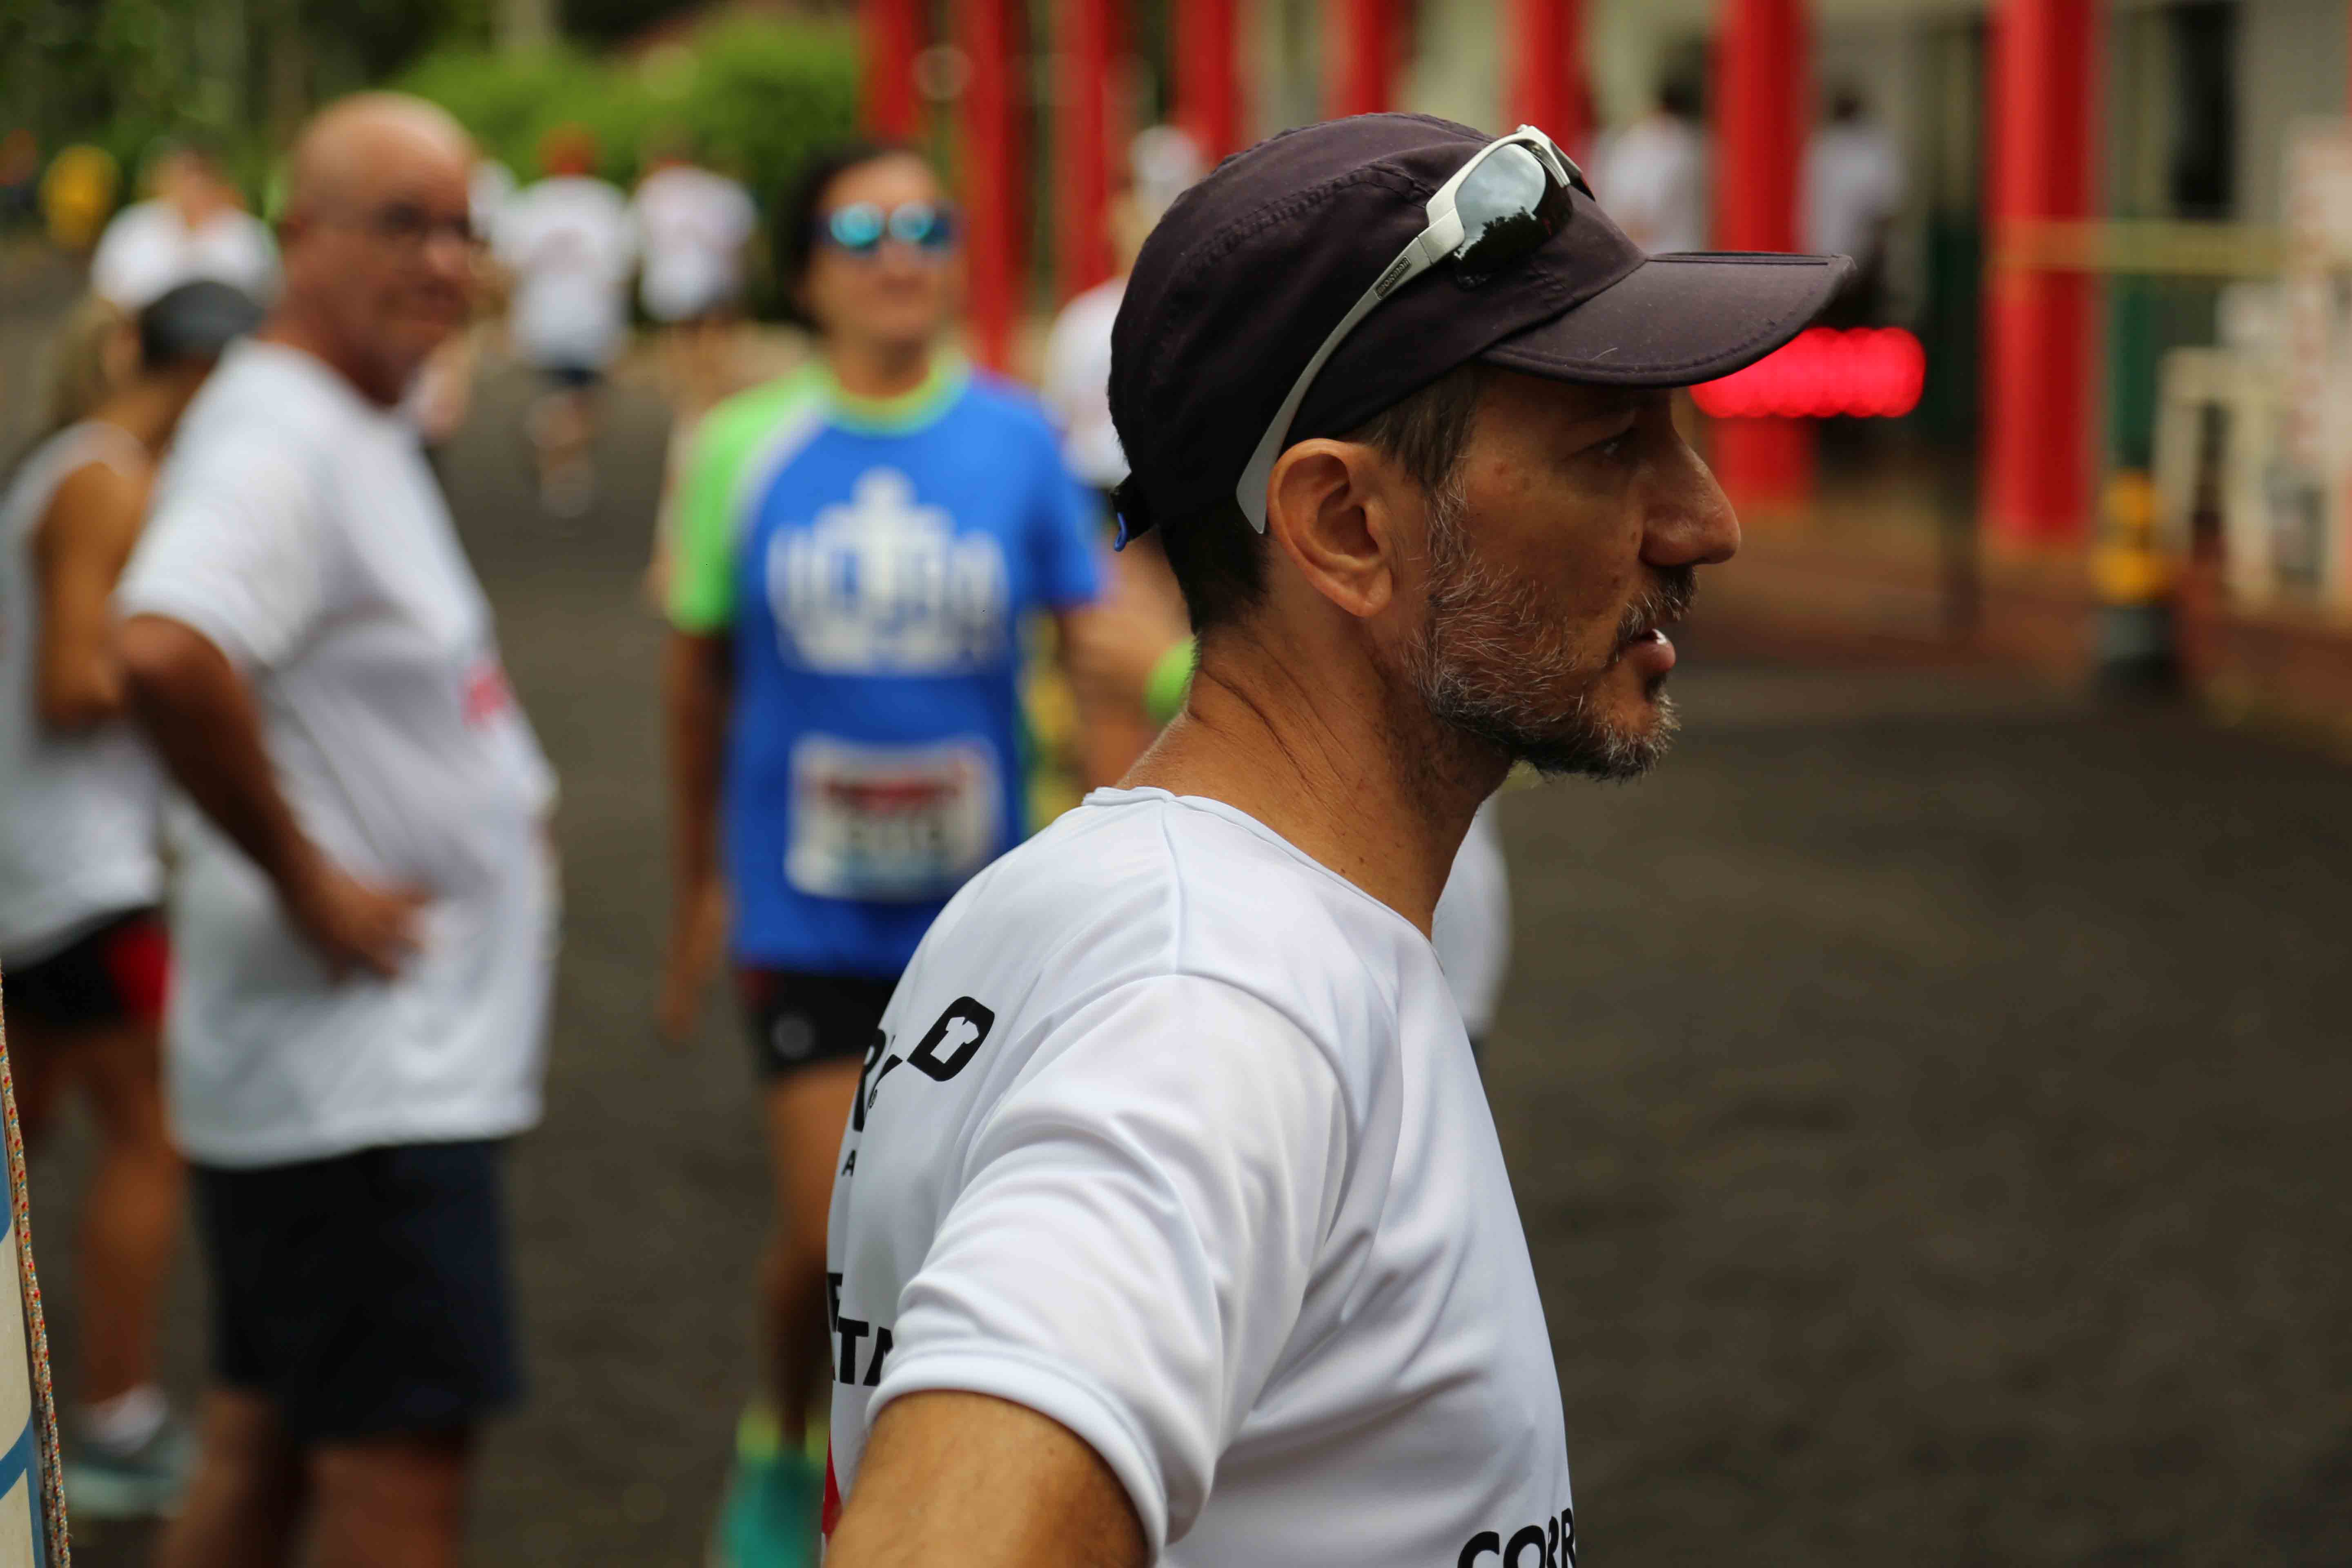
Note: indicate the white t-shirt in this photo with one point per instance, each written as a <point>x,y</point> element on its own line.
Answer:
<point>1472,927</point>
<point>571,247</point>
<point>1174,1136</point>
<point>147,251</point>
<point>77,813</point>
<point>694,224</point>
<point>1854,182</point>
<point>1076,385</point>
<point>1651,178</point>
<point>297,526</point>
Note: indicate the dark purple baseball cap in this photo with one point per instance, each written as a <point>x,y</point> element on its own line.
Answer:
<point>1252,268</point>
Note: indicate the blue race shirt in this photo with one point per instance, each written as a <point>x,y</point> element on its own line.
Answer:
<point>873,563</point>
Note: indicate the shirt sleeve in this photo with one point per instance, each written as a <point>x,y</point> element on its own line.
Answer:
<point>1066,529</point>
<point>702,543</point>
<point>233,551</point>
<point>1138,1223</point>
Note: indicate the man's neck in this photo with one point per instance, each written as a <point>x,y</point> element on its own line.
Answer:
<point>1355,776</point>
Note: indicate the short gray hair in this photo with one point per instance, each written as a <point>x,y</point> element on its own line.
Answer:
<point>1219,559</point>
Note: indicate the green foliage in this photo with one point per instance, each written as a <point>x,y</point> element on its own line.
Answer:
<point>510,101</point>
<point>751,97</point>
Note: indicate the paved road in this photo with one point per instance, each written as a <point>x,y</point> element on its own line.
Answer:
<point>1925,1097</point>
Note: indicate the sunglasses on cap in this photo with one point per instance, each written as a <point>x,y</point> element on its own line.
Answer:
<point>1499,209</point>
<point>860,228</point>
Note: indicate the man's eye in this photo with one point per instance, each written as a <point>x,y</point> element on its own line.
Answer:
<point>1617,448</point>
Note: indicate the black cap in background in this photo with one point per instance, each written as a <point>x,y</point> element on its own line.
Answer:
<point>1252,268</point>
<point>193,322</point>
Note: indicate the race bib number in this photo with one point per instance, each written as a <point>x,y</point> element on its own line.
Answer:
<point>890,824</point>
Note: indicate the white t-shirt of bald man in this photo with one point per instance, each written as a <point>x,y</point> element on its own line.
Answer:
<point>298,528</point>
<point>1173,1135</point>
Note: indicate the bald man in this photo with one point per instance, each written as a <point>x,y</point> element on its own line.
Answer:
<point>363,911</point>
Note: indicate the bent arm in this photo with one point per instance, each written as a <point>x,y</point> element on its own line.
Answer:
<point>79,550</point>
<point>200,717</point>
<point>978,1482</point>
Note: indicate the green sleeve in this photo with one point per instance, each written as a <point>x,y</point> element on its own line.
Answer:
<point>1164,688</point>
<point>735,437</point>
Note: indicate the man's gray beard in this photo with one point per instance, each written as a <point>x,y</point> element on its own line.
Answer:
<point>1489,661</point>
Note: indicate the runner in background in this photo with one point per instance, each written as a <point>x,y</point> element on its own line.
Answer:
<point>859,544</point>
<point>569,245</point>
<point>1141,597</point>
<point>1853,191</point>
<point>1652,176</point>
<point>80,938</point>
<point>194,226</point>
<point>693,222</point>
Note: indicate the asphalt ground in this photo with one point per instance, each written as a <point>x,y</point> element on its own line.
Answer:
<point>1926,1097</point>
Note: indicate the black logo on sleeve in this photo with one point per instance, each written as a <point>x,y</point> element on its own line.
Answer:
<point>945,1050</point>
<point>960,1030</point>
<point>1551,1544</point>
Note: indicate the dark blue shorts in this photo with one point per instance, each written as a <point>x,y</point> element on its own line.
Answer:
<point>364,1295</point>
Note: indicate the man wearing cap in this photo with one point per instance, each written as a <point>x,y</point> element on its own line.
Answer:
<point>1170,1222</point>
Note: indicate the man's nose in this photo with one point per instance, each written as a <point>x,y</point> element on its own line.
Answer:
<point>1690,523</point>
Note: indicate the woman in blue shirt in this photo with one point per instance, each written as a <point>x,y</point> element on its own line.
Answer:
<point>857,545</point>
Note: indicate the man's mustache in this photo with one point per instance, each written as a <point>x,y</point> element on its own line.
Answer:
<point>1667,599</point>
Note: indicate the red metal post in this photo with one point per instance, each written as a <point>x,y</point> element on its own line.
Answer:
<point>1360,56</point>
<point>1547,70</point>
<point>1208,89</point>
<point>1763,94</point>
<point>2038,323</point>
<point>1085,53</point>
<point>889,35</point>
<point>994,218</point>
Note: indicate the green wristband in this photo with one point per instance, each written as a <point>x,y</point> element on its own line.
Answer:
<point>1164,688</point>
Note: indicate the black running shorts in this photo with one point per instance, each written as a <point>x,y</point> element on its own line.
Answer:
<point>117,971</point>
<point>796,1020</point>
<point>363,1295</point>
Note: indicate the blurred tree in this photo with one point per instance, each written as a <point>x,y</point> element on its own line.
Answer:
<point>236,74</point>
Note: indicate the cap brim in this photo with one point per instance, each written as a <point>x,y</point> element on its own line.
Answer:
<point>1679,318</point>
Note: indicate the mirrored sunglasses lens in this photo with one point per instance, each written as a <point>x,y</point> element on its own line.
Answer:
<point>858,226</point>
<point>917,223</point>
<point>1509,207</point>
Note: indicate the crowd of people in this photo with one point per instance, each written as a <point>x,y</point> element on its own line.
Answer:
<point>277,886</point>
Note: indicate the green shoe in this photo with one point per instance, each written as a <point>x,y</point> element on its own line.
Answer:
<point>774,1501</point>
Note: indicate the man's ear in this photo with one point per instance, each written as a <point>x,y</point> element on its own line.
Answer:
<point>1332,507</point>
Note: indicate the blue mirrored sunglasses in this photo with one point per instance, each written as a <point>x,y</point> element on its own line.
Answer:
<point>860,228</point>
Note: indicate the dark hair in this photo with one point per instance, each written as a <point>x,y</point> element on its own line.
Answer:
<point>795,233</point>
<point>1219,559</point>
<point>194,322</point>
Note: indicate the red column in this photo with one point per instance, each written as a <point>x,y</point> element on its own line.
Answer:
<point>1208,89</point>
<point>889,33</point>
<point>2039,324</point>
<point>1359,56</point>
<point>1548,71</point>
<point>993,215</point>
<point>1084,51</point>
<point>1763,95</point>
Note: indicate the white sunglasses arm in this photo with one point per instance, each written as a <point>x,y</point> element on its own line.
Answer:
<point>1444,233</point>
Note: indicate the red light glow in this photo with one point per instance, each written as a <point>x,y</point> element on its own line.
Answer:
<point>1864,372</point>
